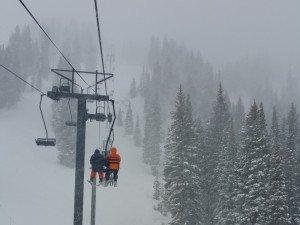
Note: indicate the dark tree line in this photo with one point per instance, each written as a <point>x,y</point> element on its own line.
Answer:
<point>171,64</point>
<point>28,58</point>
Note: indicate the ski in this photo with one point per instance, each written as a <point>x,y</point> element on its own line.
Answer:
<point>92,183</point>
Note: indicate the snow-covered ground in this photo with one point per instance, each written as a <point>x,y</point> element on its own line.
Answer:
<point>35,189</point>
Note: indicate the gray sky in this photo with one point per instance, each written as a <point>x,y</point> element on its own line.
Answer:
<point>223,30</point>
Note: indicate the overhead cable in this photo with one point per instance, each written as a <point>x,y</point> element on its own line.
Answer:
<point>100,45</point>
<point>22,79</point>
<point>51,41</point>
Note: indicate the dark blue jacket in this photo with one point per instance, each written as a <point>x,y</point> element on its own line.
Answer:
<point>98,162</point>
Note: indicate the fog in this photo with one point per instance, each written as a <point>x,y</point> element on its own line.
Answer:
<point>223,31</point>
<point>217,80</point>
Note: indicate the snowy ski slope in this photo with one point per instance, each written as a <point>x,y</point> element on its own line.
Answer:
<point>36,190</point>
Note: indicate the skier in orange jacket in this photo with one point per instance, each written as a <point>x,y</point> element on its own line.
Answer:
<point>113,163</point>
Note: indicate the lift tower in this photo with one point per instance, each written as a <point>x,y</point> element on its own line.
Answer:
<point>66,90</point>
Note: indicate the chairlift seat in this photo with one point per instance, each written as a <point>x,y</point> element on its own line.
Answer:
<point>65,88</point>
<point>100,117</point>
<point>46,141</point>
<point>71,123</point>
<point>109,117</point>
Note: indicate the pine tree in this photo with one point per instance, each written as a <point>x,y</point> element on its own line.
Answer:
<point>239,115</point>
<point>129,126</point>
<point>283,136</point>
<point>133,89</point>
<point>120,118</point>
<point>144,83</point>
<point>157,189</point>
<point>255,147</point>
<point>12,59</point>
<point>277,201</point>
<point>214,145</point>
<point>152,133</point>
<point>66,144</point>
<point>226,179</point>
<point>292,165</point>
<point>137,136</point>
<point>180,171</point>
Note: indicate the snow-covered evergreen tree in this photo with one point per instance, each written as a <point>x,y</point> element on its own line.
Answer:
<point>120,118</point>
<point>133,89</point>
<point>157,188</point>
<point>66,144</point>
<point>12,58</point>
<point>214,145</point>
<point>291,153</point>
<point>277,202</point>
<point>129,126</point>
<point>137,136</point>
<point>144,83</point>
<point>152,133</point>
<point>181,173</point>
<point>238,116</point>
<point>226,179</point>
<point>256,150</point>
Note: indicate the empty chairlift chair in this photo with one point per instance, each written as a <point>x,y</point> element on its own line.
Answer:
<point>71,123</point>
<point>45,141</point>
<point>64,87</point>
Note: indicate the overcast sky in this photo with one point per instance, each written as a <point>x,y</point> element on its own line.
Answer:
<point>223,30</point>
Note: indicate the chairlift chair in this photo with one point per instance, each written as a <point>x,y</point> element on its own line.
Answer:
<point>45,141</point>
<point>64,87</point>
<point>100,116</point>
<point>71,123</point>
<point>110,117</point>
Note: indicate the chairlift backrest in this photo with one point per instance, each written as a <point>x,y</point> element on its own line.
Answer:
<point>64,87</point>
<point>109,117</point>
<point>71,123</point>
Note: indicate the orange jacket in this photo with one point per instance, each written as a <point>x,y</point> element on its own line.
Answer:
<point>113,159</point>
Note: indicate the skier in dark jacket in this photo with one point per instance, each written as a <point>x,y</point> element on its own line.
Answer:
<point>98,162</point>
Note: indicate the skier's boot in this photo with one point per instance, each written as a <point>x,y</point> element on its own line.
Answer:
<point>91,181</point>
<point>106,183</point>
<point>100,182</point>
<point>115,183</point>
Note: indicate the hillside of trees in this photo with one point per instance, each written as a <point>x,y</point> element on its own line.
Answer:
<point>222,161</point>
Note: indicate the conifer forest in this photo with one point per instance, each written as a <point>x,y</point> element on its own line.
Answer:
<point>206,102</point>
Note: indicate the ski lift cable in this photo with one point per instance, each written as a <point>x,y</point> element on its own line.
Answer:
<point>111,132</point>
<point>100,45</point>
<point>51,40</point>
<point>11,72</point>
<point>42,95</point>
